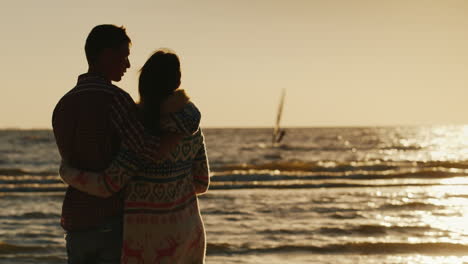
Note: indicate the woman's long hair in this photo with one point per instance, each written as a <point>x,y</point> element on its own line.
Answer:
<point>159,77</point>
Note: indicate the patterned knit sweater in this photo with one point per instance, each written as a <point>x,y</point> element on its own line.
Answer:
<point>162,221</point>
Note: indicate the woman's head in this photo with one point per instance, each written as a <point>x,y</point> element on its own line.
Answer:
<point>159,78</point>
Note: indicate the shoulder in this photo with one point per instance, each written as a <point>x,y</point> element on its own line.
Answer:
<point>116,94</point>
<point>120,93</point>
<point>199,133</point>
<point>97,88</point>
<point>196,138</point>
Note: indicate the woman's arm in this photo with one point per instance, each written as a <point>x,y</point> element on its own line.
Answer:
<point>200,169</point>
<point>179,117</point>
<point>102,184</point>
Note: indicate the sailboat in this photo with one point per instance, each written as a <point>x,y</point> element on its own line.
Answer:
<point>274,152</point>
<point>278,133</point>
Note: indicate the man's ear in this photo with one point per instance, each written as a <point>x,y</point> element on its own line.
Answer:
<point>106,53</point>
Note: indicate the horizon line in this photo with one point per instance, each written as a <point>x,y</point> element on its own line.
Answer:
<point>284,127</point>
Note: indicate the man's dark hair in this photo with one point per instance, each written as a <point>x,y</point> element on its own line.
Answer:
<point>102,37</point>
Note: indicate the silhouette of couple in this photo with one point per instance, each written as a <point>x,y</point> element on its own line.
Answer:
<point>134,170</point>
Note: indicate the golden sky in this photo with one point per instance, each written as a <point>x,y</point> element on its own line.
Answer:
<point>342,63</point>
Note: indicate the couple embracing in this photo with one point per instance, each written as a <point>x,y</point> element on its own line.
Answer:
<point>134,170</point>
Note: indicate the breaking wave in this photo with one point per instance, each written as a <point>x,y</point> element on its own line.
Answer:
<point>350,248</point>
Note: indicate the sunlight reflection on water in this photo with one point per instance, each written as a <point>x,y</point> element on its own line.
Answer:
<point>446,143</point>
<point>354,195</point>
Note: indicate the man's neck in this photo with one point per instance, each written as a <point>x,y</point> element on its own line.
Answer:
<point>96,71</point>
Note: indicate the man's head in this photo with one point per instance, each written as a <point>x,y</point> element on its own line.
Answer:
<point>107,49</point>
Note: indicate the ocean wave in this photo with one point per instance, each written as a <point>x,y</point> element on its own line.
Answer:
<point>320,166</point>
<point>35,139</point>
<point>377,166</point>
<point>57,258</point>
<point>30,215</point>
<point>284,231</point>
<point>349,248</point>
<point>456,196</point>
<point>225,212</point>
<point>291,147</point>
<point>411,206</point>
<point>324,174</point>
<point>38,237</point>
<point>33,189</point>
<point>258,185</point>
<point>359,230</point>
<point>21,172</point>
<point>38,215</point>
<point>401,147</point>
<point>445,164</point>
<point>216,184</point>
<point>6,248</point>
<point>332,209</point>
<point>236,183</point>
<point>332,146</point>
<point>371,230</point>
<point>28,180</point>
<point>365,230</point>
<point>346,215</point>
<point>265,175</point>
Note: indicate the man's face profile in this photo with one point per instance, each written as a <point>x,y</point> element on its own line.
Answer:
<point>117,61</point>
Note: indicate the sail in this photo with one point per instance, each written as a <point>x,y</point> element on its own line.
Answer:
<point>277,132</point>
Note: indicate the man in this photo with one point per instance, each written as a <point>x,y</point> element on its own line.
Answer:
<point>90,123</point>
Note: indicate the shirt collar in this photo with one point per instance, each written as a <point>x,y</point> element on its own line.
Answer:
<point>92,77</point>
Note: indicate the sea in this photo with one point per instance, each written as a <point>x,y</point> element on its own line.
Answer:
<point>322,195</point>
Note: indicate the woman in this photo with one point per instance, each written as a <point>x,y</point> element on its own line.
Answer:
<point>162,222</point>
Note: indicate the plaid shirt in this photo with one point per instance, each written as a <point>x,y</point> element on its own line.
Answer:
<point>89,123</point>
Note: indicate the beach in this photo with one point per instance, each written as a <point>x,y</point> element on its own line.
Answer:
<point>323,195</point>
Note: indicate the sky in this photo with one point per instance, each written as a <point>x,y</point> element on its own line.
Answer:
<point>341,62</point>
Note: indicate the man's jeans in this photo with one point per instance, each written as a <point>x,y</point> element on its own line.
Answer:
<point>98,246</point>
